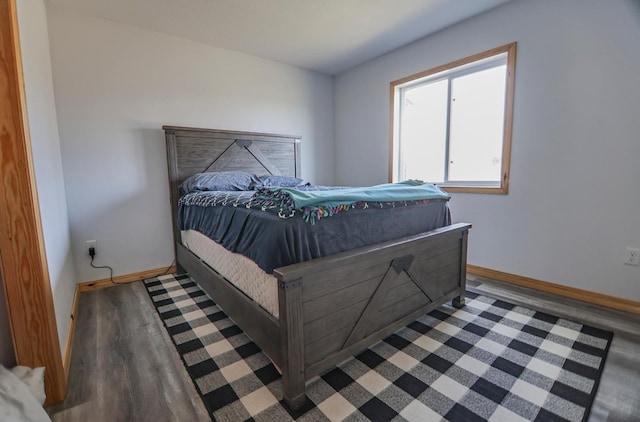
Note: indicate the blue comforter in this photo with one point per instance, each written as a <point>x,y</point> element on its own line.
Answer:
<point>273,237</point>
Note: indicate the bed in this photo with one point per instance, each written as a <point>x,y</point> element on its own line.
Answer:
<point>328,308</point>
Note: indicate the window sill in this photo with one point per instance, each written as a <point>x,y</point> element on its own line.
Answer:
<point>492,190</point>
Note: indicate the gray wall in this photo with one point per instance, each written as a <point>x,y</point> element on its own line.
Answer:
<point>117,85</point>
<point>47,161</point>
<point>574,196</point>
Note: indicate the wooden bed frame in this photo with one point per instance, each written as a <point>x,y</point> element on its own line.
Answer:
<point>330,308</point>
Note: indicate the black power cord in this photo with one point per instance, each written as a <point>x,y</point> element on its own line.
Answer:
<point>165,271</point>
<point>92,254</point>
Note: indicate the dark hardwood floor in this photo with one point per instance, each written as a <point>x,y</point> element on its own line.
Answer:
<point>125,368</point>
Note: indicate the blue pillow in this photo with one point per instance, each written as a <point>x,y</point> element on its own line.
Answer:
<point>218,181</point>
<point>276,181</point>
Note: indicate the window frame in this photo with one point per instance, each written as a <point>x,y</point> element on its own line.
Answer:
<point>469,187</point>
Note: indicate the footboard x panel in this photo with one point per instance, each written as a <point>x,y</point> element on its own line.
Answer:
<point>369,319</point>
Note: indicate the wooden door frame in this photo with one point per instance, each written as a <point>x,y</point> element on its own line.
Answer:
<point>23,261</point>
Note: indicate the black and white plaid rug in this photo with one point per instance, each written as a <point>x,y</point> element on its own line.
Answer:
<point>490,361</point>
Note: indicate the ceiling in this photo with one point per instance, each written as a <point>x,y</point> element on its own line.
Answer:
<point>327,36</point>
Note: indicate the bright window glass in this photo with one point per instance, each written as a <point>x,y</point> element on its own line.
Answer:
<point>452,124</point>
<point>424,131</point>
<point>477,126</point>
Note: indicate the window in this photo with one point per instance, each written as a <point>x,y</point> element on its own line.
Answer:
<point>452,124</point>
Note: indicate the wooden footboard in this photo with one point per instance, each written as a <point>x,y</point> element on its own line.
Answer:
<point>331,308</point>
<point>334,307</point>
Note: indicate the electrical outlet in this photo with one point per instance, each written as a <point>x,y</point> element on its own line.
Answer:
<point>632,256</point>
<point>92,244</point>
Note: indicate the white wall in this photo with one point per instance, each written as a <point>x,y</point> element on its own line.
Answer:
<point>47,161</point>
<point>574,197</point>
<point>115,88</point>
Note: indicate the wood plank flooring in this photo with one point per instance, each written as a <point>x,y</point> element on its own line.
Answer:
<point>125,368</point>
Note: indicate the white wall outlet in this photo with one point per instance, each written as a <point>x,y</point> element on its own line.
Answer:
<point>632,256</point>
<point>92,244</point>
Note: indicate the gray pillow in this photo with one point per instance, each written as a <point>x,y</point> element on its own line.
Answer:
<point>277,181</point>
<point>218,181</point>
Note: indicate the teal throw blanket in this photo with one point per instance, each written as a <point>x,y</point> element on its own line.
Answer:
<point>325,203</point>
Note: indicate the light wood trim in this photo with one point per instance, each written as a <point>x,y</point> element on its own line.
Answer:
<point>122,279</point>
<point>68,346</point>
<point>510,49</point>
<point>472,189</point>
<point>22,253</point>
<point>456,63</point>
<point>508,117</point>
<point>600,299</point>
<point>392,130</point>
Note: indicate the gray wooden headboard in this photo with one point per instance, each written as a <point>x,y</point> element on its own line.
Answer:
<point>193,150</point>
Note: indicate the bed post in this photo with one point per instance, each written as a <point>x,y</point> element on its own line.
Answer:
<point>459,301</point>
<point>292,342</point>
<point>172,160</point>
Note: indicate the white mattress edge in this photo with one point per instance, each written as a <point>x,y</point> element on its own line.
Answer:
<point>239,270</point>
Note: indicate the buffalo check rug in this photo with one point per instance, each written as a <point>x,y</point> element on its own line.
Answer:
<point>490,361</point>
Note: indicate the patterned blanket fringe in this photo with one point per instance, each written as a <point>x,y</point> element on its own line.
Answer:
<point>280,203</point>
<point>279,199</point>
<point>311,214</point>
